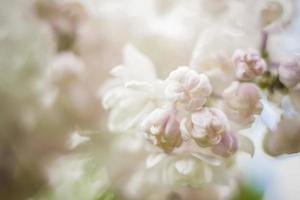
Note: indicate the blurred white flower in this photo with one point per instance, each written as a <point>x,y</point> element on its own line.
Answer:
<point>285,139</point>
<point>77,177</point>
<point>276,14</point>
<point>130,96</point>
<point>289,74</point>
<point>187,171</point>
<point>65,68</point>
<point>77,139</point>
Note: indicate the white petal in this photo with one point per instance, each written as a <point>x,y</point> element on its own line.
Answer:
<point>271,114</point>
<point>245,144</point>
<point>111,98</point>
<point>139,85</point>
<point>207,158</point>
<point>119,71</point>
<point>185,134</point>
<point>76,139</point>
<point>154,159</point>
<point>139,66</point>
<point>184,166</point>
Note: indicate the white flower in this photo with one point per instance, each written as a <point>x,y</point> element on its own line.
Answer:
<point>242,102</point>
<point>206,126</point>
<point>248,64</point>
<point>162,129</point>
<point>188,87</point>
<point>276,14</point>
<point>285,139</point>
<point>289,74</point>
<point>131,95</point>
<point>187,171</point>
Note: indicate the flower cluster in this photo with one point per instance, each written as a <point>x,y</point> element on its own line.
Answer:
<point>179,126</point>
<point>179,115</point>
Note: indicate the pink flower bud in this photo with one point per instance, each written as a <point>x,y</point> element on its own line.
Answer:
<point>206,126</point>
<point>289,74</point>
<point>242,102</point>
<point>227,146</point>
<point>162,129</point>
<point>248,64</point>
<point>188,87</point>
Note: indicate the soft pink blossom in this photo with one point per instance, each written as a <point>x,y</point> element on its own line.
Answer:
<point>248,64</point>
<point>242,102</point>
<point>206,126</point>
<point>188,87</point>
<point>227,146</point>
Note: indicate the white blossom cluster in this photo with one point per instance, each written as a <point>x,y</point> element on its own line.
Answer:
<point>192,121</point>
<point>177,116</point>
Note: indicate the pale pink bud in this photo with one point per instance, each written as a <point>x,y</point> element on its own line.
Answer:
<point>248,64</point>
<point>227,146</point>
<point>206,126</point>
<point>162,129</point>
<point>242,102</point>
<point>188,87</point>
<point>289,74</point>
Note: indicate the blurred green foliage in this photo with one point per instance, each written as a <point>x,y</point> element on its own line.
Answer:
<point>248,192</point>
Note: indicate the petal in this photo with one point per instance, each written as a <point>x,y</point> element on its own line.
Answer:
<point>245,144</point>
<point>154,159</point>
<point>184,166</point>
<point>271,114</point>
<point>119,71</point>
<point>139,85</point>
<point>207,158</point>
<point>138,65</point>
<point>185,130</point>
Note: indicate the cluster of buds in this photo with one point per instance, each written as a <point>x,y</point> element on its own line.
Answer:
<point>174,112</point>
<point>242,99</point>
<point>188,118</point>
<point>180,116</point>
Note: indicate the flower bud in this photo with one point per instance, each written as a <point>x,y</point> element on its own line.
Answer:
<point>206,126</point>
<point>162,129</point>
<point>227,146</point>
<point>188,87</point>
<point>242,102</point>
<point>289,74</point>
<point>248,64</point>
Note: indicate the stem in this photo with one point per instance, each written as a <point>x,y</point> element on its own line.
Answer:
<point>264,43</point>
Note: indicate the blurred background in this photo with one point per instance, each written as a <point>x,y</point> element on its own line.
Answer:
<point>55,55</point>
